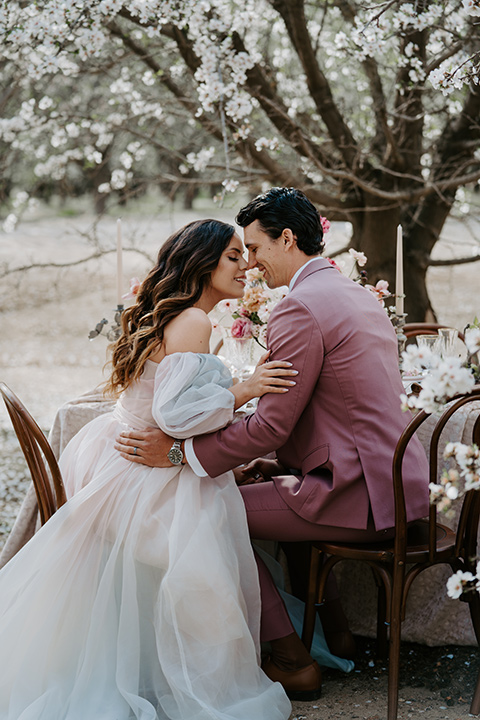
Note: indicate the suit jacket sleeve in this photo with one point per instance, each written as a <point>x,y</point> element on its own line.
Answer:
<point>293,335</point>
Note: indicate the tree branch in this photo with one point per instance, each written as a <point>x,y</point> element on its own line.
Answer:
<point>73,263</point>
<point>276,110</point>
<point>454,261</point>
<point>292,12</point>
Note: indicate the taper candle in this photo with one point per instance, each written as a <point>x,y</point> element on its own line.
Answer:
<point>119,263</point>
<point>399,273</point>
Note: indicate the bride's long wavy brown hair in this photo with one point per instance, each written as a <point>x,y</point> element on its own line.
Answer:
<point>182,272</point>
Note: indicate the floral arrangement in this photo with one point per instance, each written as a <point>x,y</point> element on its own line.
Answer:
<point>442,378</point>
<point>251,312</point>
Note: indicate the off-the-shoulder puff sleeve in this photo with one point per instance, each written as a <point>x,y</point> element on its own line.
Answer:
<point>191,395</point>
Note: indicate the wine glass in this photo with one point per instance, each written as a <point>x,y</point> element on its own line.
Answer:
<point>448,338</point>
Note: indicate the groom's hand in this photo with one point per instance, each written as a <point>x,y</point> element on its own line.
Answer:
<point>257,471</point>
<point>148,447</point>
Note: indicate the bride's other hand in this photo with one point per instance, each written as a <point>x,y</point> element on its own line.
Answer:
<point>269,377</point>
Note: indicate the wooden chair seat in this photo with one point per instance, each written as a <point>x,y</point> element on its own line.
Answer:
<point>417,548</point>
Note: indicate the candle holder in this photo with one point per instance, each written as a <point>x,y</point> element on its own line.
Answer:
<point>113,332</point>
<point>398,321</point>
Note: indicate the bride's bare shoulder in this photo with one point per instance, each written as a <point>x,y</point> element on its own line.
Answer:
<point>189,332</point>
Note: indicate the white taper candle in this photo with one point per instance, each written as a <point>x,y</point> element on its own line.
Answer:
<point>399,273</point>
<point>119,263</point>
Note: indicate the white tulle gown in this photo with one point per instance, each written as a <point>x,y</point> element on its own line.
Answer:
<point>140,597</point>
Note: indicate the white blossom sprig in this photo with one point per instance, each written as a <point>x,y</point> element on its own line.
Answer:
<point>444,378</point>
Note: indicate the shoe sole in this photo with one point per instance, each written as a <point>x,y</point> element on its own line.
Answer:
<point>304,695</point>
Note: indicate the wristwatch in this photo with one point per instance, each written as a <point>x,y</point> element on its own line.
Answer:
<point>175,454</point>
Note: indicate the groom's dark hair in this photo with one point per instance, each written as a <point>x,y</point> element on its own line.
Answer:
<point>281,208</point>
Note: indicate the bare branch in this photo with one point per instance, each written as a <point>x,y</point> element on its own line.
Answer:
<point>94,256</point>
<point>454,261</point>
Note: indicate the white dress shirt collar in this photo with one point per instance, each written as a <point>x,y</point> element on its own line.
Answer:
<point>294,278</point>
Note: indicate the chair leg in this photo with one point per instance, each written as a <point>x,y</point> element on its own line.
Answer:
<point>382,639</point>
<point>310,610</point>
<point>474,606</point>
<point>395,639</point>
<point>393,668</point>
<point>475,706</point>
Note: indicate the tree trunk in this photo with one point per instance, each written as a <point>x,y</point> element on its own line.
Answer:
<point>375,234</point>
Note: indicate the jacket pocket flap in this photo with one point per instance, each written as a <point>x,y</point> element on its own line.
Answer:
<point>316,459</point>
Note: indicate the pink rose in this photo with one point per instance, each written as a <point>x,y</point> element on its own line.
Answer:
<point>241,328</point>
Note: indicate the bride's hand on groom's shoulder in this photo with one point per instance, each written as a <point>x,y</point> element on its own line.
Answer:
<point>257,471</point>
<point>271,376</point>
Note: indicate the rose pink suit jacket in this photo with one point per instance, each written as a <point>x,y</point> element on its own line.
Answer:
<point>338,427</point>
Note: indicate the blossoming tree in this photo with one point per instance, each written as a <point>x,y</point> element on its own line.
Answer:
<point>372,111</point>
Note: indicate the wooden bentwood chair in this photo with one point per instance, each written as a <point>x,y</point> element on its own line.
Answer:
<point>411,330</point>
<point>39,455</point>
<point>420,545</point>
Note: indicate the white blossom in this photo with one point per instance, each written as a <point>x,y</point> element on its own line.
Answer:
<point>472,339</point>
<point>200,160</point>
<point>10,223</point>
<point>359,257</point>
<point>268,143</point>
<point>457,582</point>
<point>230,185</point>
<point>472,7</point>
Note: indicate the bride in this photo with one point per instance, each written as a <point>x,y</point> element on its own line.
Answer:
<point>139,598</point>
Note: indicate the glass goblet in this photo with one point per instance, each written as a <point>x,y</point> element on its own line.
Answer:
<point>448,337</point>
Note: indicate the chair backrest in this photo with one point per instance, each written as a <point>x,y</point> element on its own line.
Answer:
<point>470,513</point>
<point>217,347</point>
<point>411,330</point>
<point>40,458</point>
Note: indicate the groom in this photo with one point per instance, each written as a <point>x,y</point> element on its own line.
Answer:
<point>334,432</point>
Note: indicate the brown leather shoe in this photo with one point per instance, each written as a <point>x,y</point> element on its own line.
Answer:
<point>304,684</point>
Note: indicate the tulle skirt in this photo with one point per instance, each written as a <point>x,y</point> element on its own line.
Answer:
<point>138,599</point>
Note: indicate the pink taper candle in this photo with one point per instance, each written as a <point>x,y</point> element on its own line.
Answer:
<point>399,273</point>
<point>119,263</point>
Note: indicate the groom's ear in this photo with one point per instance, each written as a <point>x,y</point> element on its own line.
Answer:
<point>288,238</point>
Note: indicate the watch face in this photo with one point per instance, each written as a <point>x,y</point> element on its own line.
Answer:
<point>175,455</point>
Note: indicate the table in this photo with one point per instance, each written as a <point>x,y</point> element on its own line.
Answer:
<point>432,617</point>
<point>68,420</point>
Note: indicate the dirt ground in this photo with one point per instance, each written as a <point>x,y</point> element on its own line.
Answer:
<point>46,357</point>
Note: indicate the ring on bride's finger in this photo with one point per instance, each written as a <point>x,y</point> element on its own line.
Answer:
<point>134,450</point>
<point>257,475</point>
